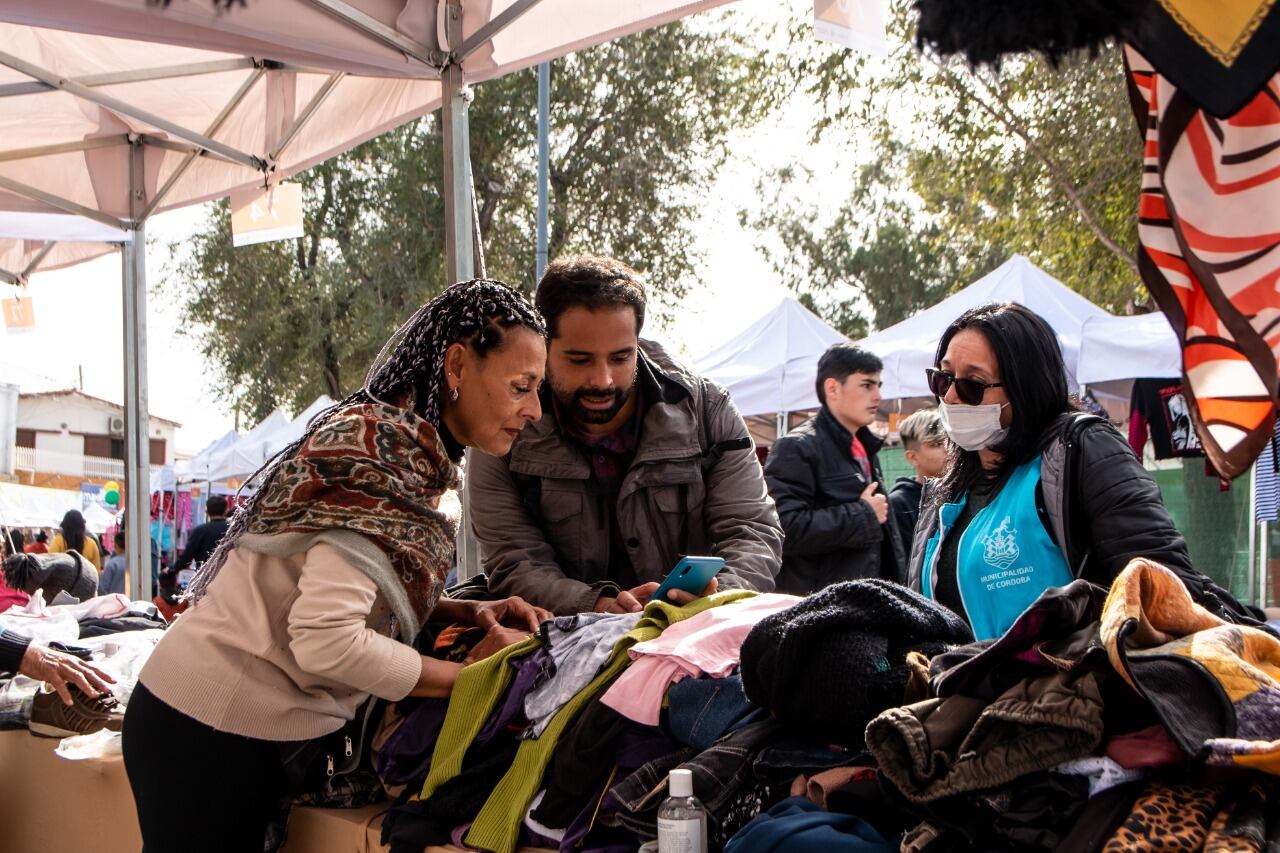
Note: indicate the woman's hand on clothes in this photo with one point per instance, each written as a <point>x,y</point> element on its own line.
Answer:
<point>436,679</point>
<point>680,597</point>
<point>495,640</point>
<point>513,612</point>
<point>58,670</point>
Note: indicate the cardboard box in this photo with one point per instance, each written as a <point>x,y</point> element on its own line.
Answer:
<point>51,805</point>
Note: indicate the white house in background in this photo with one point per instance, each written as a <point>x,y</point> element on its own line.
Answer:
<point>64,438</point>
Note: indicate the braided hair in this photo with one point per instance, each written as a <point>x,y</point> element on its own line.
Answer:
<point>476,313</point>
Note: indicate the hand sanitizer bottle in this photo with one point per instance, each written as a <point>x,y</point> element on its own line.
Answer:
<point>682,819</point>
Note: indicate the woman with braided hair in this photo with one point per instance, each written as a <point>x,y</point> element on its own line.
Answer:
<point>310,603</point>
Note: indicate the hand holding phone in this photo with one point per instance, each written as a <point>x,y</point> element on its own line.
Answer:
<point>691,574</point>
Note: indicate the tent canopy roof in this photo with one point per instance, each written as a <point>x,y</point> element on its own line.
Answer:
<point>222,100</point>
<point>908,348</point>
<point>771,365</point>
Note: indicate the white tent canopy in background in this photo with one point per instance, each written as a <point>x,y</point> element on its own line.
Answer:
<point>32,506</point>
<point>1118,348</point>
<point>908,348</point>
<point>98,518</point>
<point>770,366</point>
<point>236,456</point>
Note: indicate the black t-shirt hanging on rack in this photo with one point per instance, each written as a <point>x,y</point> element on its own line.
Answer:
<point>1159,406</point>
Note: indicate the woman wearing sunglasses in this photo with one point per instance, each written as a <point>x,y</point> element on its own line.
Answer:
<point>1034,494</point>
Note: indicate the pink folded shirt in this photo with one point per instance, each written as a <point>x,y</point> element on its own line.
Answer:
<point>707,644</point>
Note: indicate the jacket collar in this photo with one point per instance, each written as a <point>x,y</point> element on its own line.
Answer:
<point>836,432</point>
<point>669,429</point>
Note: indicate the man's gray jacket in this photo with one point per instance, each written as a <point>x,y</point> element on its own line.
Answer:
<point>694,487</point>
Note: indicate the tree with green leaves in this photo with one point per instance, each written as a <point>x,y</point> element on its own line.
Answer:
<point>639,128</point>
<point>969,167</point>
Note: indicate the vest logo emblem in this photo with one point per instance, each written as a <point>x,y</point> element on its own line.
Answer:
<point>1000,549</point>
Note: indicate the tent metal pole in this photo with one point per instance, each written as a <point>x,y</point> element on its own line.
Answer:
<point>134,76</point>
<point>307,112</point>
<point>459,251</point>
<point>10,278</point>
<point>495,25</point>
<point>65,147</point>
<point>214,126</point>
<point>37,260</point>
<point>123,108</point>
<point>380,32</point>
<point>780,425</point>
<point>136,414</point>
<point>544,162</point>
<point>459,246</point>
<point>61,203</point>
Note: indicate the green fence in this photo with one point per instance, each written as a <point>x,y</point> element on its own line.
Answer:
<point>1215,523</point>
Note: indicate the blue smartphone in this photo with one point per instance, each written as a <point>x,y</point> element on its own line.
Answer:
<point>691,574</point>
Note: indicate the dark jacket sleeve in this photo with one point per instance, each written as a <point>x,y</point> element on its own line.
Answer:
<point>739,512</point>
<point>1127,519</point>
<point>810,530</point>
<point>1122,511</point>
<point>12,648</point>
<point>904,508</point>
<point>195,545</point>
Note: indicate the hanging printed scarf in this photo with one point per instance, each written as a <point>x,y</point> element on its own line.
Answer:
<point>380,471</point>
<point>1209,229</point>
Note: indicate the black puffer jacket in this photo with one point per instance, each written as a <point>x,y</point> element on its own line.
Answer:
<point>832,535</point>
<point>1103,509</point>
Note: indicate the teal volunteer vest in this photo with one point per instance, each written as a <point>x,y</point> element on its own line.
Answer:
<point>1006,558</point>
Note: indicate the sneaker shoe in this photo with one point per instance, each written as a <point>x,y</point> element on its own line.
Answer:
<point>51,718</point>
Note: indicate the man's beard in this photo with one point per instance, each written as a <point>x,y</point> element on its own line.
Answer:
<point>571,401</point>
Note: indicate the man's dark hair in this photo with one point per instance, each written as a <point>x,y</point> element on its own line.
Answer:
<point>839,361</point>
<point>217,505</point>
<point>119,540</point>
<point>591,282</point>
<point>41,536</point>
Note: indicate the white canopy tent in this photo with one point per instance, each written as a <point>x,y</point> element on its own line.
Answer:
<point>32,506</point>
<point>1122,348</point>
<point>770,366</point>
<point>236,456</point>
<point>115,109</point>
<point>1097,346</point>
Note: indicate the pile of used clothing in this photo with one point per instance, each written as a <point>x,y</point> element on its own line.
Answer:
<point>861,718</point>
<point>566,740</point>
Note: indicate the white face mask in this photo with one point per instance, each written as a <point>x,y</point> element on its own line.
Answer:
<point>973,427</point>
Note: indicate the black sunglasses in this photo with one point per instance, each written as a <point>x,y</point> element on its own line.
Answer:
<point>970,391</point>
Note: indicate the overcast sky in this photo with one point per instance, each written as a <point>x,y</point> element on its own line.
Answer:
<point>79,325</point>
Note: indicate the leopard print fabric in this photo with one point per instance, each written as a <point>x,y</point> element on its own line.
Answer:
<point>1167,819</point>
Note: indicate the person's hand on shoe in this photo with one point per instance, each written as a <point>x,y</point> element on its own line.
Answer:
<point>58,670</point>
<point>513,612</point>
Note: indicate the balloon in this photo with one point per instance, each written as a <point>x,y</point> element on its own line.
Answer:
<point>111,486</point>
<point>112,497</point>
